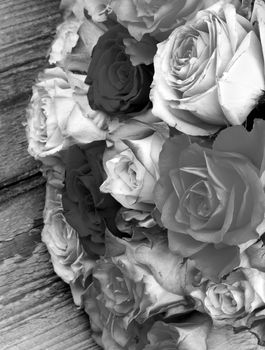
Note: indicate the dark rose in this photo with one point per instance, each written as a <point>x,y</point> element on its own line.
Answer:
<point>86,209</point>
<point>116,86</point>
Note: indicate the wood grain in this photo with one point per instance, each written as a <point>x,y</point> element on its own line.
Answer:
<point>37,310</point>
<point>22,209</point>
<point>26,31</point>
<point>15,162</point>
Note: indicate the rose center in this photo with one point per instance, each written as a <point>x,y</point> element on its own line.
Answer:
<point>200,200</point>
<point>127,172</point>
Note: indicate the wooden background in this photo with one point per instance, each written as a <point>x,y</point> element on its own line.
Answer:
<point>36,307</point>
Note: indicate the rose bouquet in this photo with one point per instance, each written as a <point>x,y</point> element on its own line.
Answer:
<point>149,125</point>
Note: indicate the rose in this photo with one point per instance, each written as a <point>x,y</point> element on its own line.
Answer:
<point>130,291</point>
<point>123,298</point>
<point>59,114</point>
<point>224,302</point>
<point>108,329</point>
<point>118,286</point>
<point>156,16</point>
<point>100,318</point>
<point>116,86</point>
<point>131,164</point>
<point>236,297</point>
<point>86,209</point>
<point>173,274</point>
<point>201,83</point>
<point>70,260</point>
<point>212,199</point>
<point>239,301</point>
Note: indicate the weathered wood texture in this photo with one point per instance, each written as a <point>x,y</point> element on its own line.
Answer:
<point>26,30</point>
<point>36,307</point>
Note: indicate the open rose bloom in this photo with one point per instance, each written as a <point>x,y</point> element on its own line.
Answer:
<point>201,83</point>
<point>150,126</point>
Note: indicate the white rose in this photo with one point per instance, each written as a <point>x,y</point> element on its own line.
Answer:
<point>132,165</point>
<point>202,81</point>
<point>131,291</point>
<point>241,293</point>
<point>59,114</point>
<point>109,330</point>
<point>70,260</point>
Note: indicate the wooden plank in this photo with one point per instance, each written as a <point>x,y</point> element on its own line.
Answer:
<point>37,310</point>
<point>26,34</point>
<point>27,28</point>
<point>16,83</point>
<point>28,22</point>
<point>21,208</point>
<point>15,162</point>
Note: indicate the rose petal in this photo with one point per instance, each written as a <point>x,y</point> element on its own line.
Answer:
<point>206,106</point>
<point>180,119</point>
<point>249,144</point>
<point>223,47</point>
<point>226,338</point>
<point>258,15</point>
<point>238,93</point>
<point>215,263</point>
<point>82,129</point>
<point>183,244</point>
<point>205,80</point>
<point>90,32</point>
<point>140,52</point>
<point>237,26</point>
